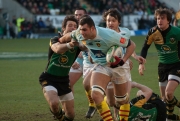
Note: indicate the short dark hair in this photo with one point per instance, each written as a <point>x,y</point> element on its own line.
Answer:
<point>114,13</point>
<point>69,18</point>
<point>80,8</point>
<point>162,11</point>
<point>86,19</point>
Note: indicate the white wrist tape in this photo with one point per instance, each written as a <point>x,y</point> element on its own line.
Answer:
<point>68,46</point>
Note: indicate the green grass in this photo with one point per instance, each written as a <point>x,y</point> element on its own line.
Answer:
<point>21,97</point>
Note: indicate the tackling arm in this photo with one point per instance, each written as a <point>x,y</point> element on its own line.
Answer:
<point>143,90</point>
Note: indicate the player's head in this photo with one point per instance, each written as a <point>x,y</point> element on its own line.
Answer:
<point>163,17</point>
<point>69,24</point>
<point>112,17</point>
<point>79,12</point>
<point>87,27</point>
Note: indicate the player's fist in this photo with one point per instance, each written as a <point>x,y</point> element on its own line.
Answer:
<point>118,62</point>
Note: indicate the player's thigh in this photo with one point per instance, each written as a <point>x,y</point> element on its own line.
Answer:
<point>86,81</point>
<point>51,96</point>
<point>74,77</point>
<point>100,79</point>
<point>121,89</point>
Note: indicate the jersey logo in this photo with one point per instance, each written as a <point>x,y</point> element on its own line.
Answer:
<point>84,42</point>
<point>122,40</point>
<point>165,48</point>
<point>172,40</point>
<point>98,53</point>
<point>44,83</point>
<point>72,50</point>
<point>63,59</point>
<point>98,44</point>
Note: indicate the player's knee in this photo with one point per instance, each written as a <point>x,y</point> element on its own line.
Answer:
<point>121,100</point>
<point>54,105</point>
<point>97,93</point>
<point>86,85</point>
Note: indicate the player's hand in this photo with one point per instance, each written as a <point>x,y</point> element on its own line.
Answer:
<point>141,69</point>
<point>133,84</point>
<point>54,40</point>
<point>118,62</point>
<point>59,34</point>
<point>74,43</point>
<point>141,59</point>
<point>75,65</point>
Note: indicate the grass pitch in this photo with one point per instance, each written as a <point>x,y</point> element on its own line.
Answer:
<point>21,97</point>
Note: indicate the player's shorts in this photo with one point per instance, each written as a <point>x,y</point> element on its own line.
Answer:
<point>118,75</point>
<point>128,75</point>
<point>169,72</point>
<point>86,69</point>
<point>80,69</point>
<point>60,83</point>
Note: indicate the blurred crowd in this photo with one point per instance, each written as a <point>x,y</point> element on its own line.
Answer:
<point>138,7</point>
<point>20,27</point>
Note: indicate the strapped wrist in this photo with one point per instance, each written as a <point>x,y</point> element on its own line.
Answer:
<point>69,46</point>
<point>121,62</point>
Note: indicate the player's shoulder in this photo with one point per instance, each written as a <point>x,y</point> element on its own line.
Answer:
<point>125,31</point>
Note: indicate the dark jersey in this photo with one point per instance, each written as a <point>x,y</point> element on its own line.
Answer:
<point>152,110</point>
<point>60,64</point>
<point>166,42</point>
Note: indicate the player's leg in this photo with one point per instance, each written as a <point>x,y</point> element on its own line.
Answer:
<point>162,88</point>
<point>121,90</point>
<point>75,74</point>
<point>67,102</point>
<point>171,100</point>
<point>50,94</point>
<point>99,80</point>
<point>111,100</point>
<point>92,107</point>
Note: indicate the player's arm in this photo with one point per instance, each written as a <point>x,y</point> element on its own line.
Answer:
<point>140,59</point>
<point>130,49</point>
<point>120,61</point>
<point>143,90</point>
<point>58,47</point>
<point>65,38</point>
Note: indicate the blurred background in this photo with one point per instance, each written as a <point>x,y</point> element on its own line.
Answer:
<point>43,18</point>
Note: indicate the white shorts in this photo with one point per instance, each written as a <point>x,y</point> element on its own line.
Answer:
<point>118,75</point>
<point>78,70</point>
<point>86,69</point>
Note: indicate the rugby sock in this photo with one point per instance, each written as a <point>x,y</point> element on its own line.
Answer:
<point>178,104</point>
<point>173,117</point>
<point>59,115</point>
<point>124,112</point>
<point>66,119</point>
<point>170,105</point>
<point>104,111</point>
<point>91,101</point>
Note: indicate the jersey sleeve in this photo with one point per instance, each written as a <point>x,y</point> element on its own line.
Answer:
<point>138,101</point>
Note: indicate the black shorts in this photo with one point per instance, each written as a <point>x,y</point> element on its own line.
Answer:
<point>166,69</point>
<point>59,82</point>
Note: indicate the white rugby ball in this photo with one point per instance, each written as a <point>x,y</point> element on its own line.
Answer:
<point>114,50</point>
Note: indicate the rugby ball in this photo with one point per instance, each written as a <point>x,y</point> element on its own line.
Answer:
<point>114,50</point>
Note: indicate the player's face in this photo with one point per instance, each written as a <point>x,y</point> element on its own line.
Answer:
<point>162,22</point>
<point>78,14</point>
<point>86,31</point>
<point>112,23</point>
<point>70,26</point>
